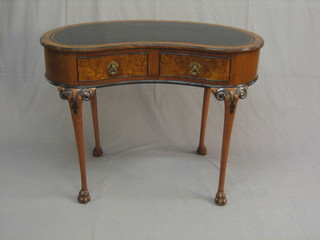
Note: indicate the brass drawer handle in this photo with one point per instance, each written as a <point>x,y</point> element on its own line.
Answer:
<point>113,68</point>
<point>194,69</point>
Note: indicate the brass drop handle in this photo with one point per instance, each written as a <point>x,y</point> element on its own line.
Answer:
<point>113,68</point>
<point>194,69</point>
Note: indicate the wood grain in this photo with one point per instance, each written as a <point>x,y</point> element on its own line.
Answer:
<point>95,68</point>
<point>90,69</point>
<point>178,65</point>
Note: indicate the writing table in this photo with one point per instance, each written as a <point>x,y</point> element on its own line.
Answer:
<point>83,57</point>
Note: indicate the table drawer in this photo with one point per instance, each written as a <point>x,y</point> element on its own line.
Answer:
<point>195,66</point>
<point>95,68</point>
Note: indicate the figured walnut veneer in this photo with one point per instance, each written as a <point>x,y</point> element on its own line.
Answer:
<point>94,68</point>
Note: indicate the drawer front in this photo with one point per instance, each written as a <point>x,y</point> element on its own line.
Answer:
<point>195,66</point>
<point>95,68</point>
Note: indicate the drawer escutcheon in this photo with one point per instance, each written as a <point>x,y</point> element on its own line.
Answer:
<point>194,69</point>
<point>113,68</point>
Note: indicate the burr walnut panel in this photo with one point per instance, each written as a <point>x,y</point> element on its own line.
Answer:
<point>195,66</point>
<point>95,68</point>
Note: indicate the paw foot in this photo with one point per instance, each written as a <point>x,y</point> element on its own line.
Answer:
<point>83,196</point>
<point>202,150</point>
<point>97,152</point>
<point>221,199</point>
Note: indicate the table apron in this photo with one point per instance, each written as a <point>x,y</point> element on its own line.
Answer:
<point>196,68</point>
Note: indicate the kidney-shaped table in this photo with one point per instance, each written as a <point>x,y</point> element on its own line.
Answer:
<point>80,58</point>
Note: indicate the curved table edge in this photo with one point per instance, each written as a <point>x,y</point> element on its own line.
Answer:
<point>185,83</point>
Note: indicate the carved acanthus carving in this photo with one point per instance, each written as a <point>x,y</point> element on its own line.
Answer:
<point>76,95</point>
<point>231,95</point>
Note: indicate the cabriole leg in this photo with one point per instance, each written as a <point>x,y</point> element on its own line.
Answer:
<point>75,98</point>
<point>202,150</point>
<point>230,98</point>
<point>97,151</point>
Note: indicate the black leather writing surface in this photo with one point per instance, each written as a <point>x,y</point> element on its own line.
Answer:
<point>148,31</point>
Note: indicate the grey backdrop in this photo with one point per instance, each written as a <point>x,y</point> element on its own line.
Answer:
<point>150,184</point>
